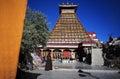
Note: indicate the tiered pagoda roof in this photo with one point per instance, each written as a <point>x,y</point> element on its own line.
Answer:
<point>68,31</point>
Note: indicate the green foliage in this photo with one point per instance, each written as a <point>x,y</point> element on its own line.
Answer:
<point>35,30</point>
<point>35,33</point>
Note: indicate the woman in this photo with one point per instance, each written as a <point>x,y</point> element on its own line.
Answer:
<point>48,65</point>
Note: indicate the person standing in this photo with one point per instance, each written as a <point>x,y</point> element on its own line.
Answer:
<point>48,65</point>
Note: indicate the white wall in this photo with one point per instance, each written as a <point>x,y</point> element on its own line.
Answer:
<point>97,58</point>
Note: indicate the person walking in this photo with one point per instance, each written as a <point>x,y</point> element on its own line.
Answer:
<point>48,65</point>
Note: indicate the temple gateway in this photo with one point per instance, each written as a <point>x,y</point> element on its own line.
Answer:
<point>67,34</point>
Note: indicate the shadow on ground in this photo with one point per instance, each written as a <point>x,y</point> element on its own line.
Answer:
<point>84,74</point>
<point>26,75</point>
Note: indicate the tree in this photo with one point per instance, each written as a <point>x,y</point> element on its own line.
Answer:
<point>35,33</point>
<point>35,30</point>
<point>111,53</point>
<point>110,38</point>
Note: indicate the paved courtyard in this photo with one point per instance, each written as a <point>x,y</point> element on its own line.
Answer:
<point>70,71</point>
<point>73,74</point>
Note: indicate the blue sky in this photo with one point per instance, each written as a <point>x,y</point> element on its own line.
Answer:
<point>100,16</point>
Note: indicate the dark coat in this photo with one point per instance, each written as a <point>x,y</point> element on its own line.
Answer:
<point>48,65</point>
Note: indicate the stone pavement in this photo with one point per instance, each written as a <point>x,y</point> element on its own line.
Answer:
<point>77,65</point>
<point>72,74</point>
<point>70,71</point>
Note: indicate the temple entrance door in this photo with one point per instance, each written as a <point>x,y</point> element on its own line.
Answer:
<point>66,54</point>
